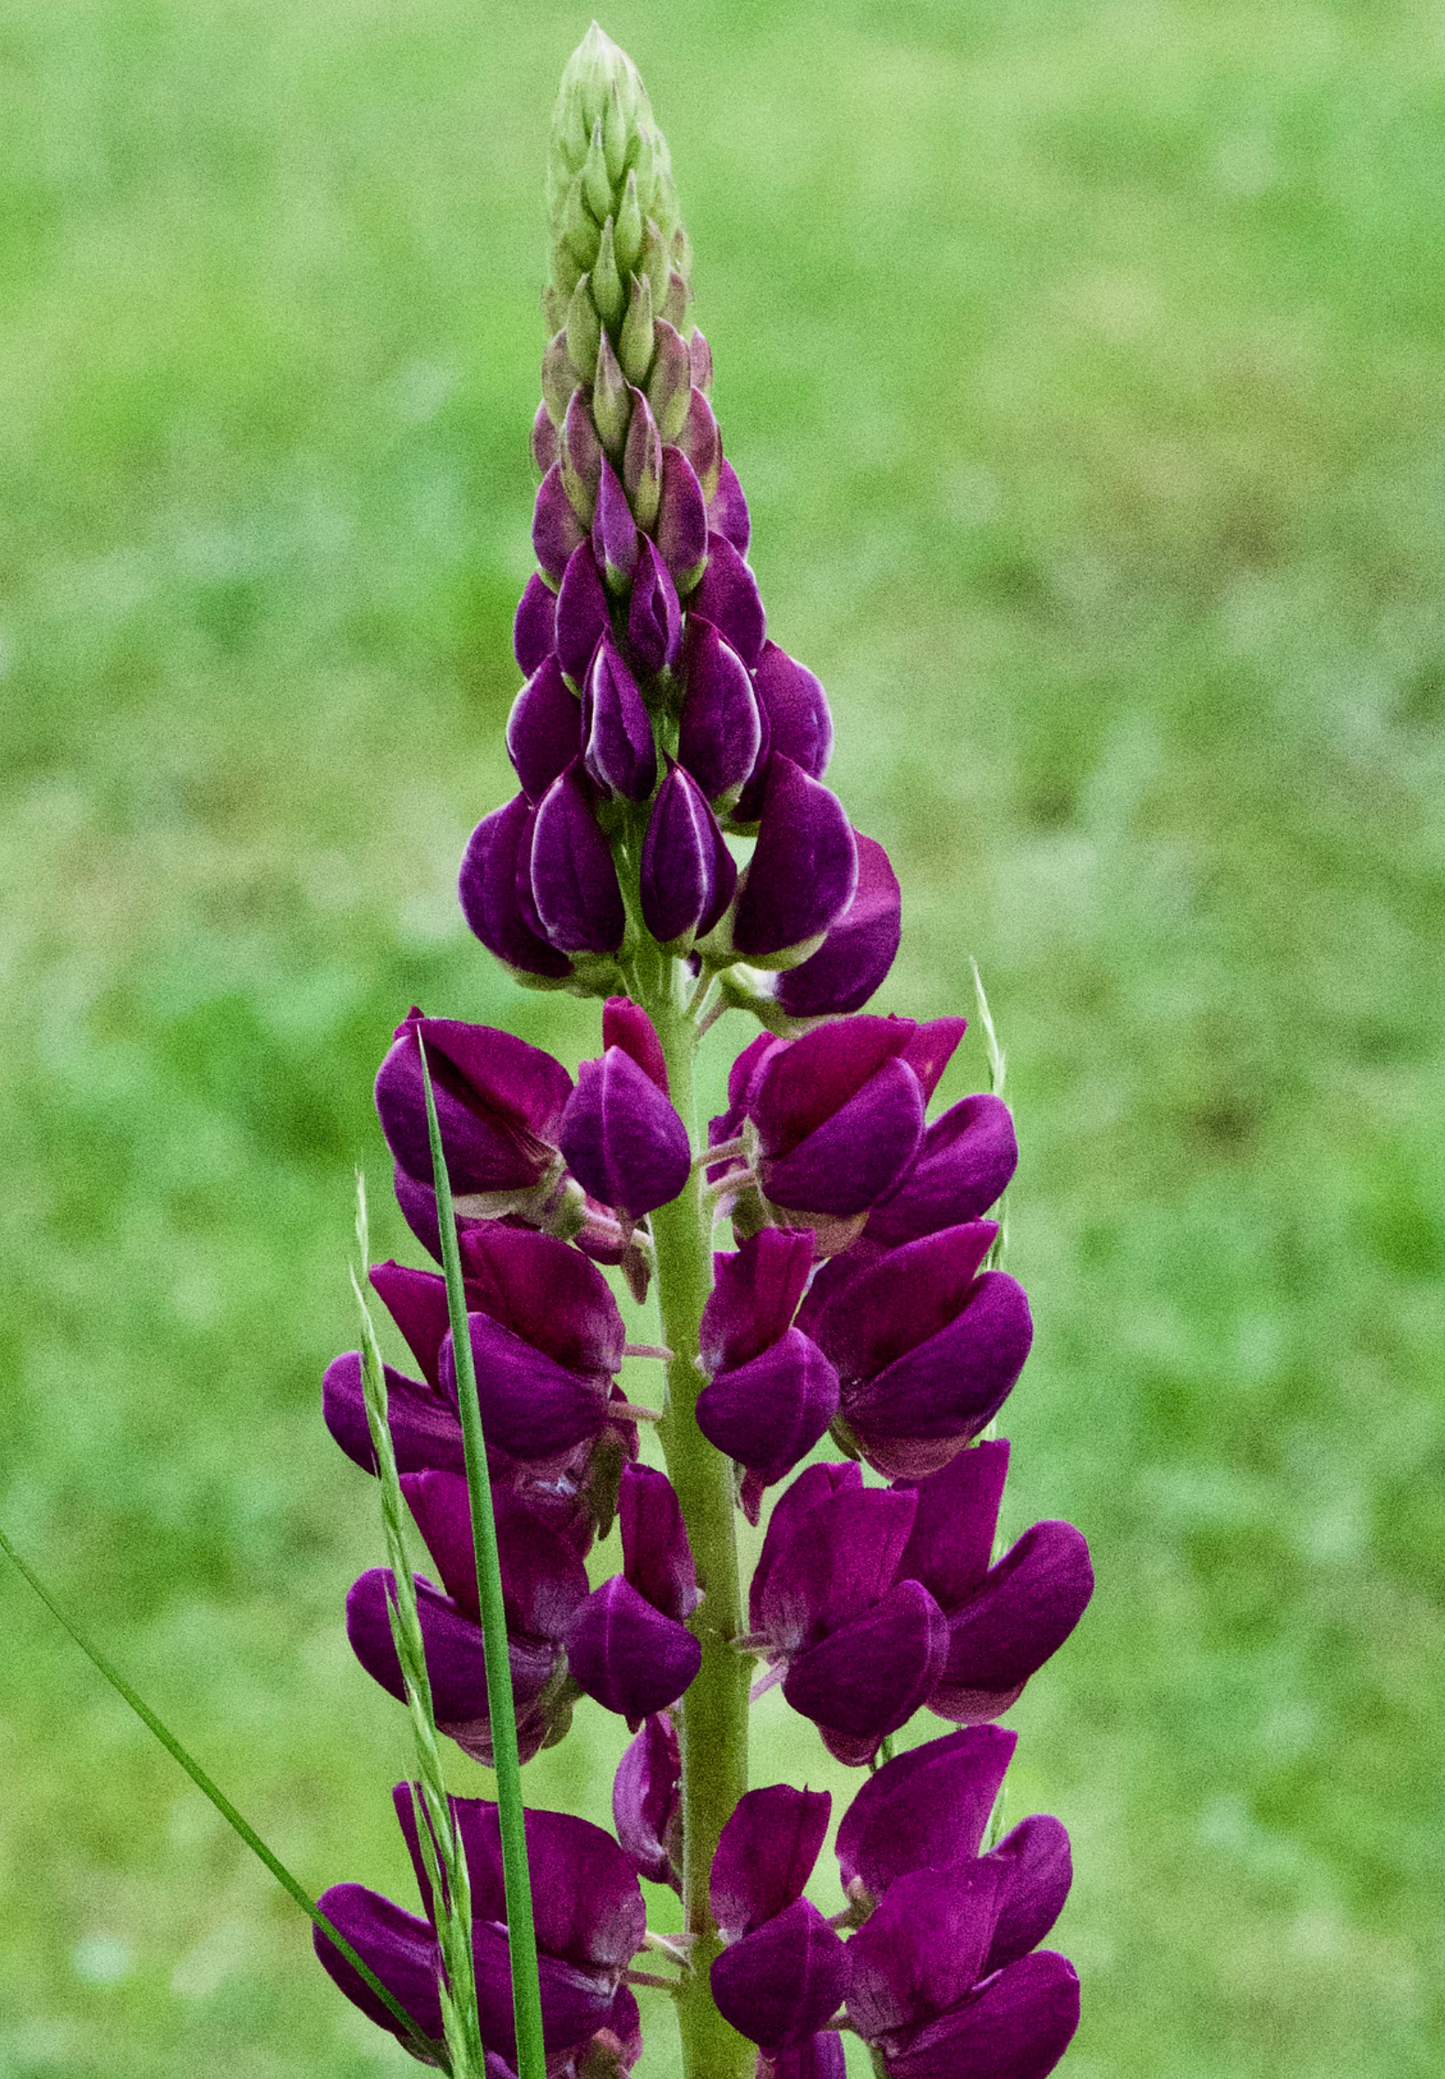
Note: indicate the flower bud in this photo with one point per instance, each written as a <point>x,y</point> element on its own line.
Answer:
<point>728,596</point>
<point>688,873</point>
<point>626,1024</point>
<point>620,754</point>
<point>654,618</point>
<point>622,1139</point>
<point>854,958</point>
<point>611,406</point>
<point>534,630</point>
<point>803,872</point>
<point>797,723</point>
<point>487,888</point>
<point>627,1655</point>
<point>669,387</point>
<point>580,457</point>
<point>614,531</point>
<point>720,731</point>
<point>635,344</point>
<point>544,441</point>
<point>681,521</point>
<point>573,878</point>
<point>647,1803</point>
<point>584,330</point>
<point>727,512</point>
<point>700,355</point>
<point>544,730</point>
<point>642,463</point>
<point>559,378</point>
<point>581,616</point>
<point>556,530</point>
<point>699,440</point>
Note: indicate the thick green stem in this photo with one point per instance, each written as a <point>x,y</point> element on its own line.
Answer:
<point>714,1714</point>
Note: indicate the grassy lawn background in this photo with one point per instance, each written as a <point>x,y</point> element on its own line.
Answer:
<point>1083,364</point>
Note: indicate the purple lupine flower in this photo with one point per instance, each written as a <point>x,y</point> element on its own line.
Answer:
<point>926,1349</point>
<point>720,731</point>
<point>628,1645</point>
<point>858,951</point>
<point>582,616</point>
<point>615,539</point>
<point>574,881</point>
<point>688,874</point>
<point>499,849</point>
<point>621,1137</point>
<point>534,630</point>
<point>803,872</point>
<point>771,1392</point>
<point>400,1948</point>
<point>647,1802</point>
<point>544,730</point>
<point>625,1024</point>
<point>765,1856</point>
<point>699,440</point>
<point>619,751</point>
<point>962,1166</point>
<point>681,521</point>
<point>579,452</point>
<point>556,530</point>
<point>727,512</point>
<point>924,1810</point>
<point>728,597</point>
<point>499,1105</point>
<point>654,618</point>
<point>784,1971</point>
<point>796,724</point>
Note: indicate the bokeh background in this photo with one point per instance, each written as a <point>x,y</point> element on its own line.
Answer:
<point>1084,362</point>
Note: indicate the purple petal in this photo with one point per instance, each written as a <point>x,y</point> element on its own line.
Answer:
<point>770,1412</point>
<point>926,1809</point>
<point>642,460</point>
<point>544,729</point>
<point>627,1655</point>
<point>556,529</point>
<point>573,878</point>
<point>425,1430</point>
<point>532,1408</point>
<point>575,2002</point>
<point>868,1320</point>
<point>815,2057</point>
<point>688,873</point>
<point>654,618</point>
<point>587,1905</point>
<point>544,1292</point>
<point>620,753</point>
<point>728,596</point>
<point>625,1024</point>
<point>487,888</point>
<point>765,1855</point>
<point>1026,1608</point>
<point>720,731</point>
<point>656,1556</point>
<point>622,1139</point>
<point>855,957</point>
<point>417,1302</point>
<point>957,1381</point>
<point>499,1104</point>
<point>614,531</point>
<point>700,356</point>
<point>699,441</point>
<point>1037,1871</point>
<point>951,1546</point>
<point>544,440</point>
<point>1017,2027</point>
<point>544,1583</point>
<point>856,1154</point>
<point>582,614</point>
<point>804,868</point>
<point>727,512</point>
<point>754,1297</point>
<point>534,630</point>
<point>580,454</point>
<point>681,521</point>
<point>780,1983</point>
<point>867,1679</point>
<point>647,1802</point>
<point>398,1947</point>
<point>963,1166</point>
<point>816,1484</point>
<point>923,1947</point>
<point>833,1561</point>
<point>797,722</point>
<point>455,1658</point>
<point>670,384</point>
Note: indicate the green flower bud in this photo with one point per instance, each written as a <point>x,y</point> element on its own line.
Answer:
<point>596,181</point>
<point>584,329</point>
<point>627,232</point>
<point>608,294</point>
<point>636,345</point>
<point>559,378</point>
<point>611,405</point>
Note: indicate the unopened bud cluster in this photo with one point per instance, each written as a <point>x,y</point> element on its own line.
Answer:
<point>859,1302</point>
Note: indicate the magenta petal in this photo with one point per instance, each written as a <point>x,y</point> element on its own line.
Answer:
<point>487,889</point>
<point>951,1545</point>
<point>399,1948</point>
<point>754,1297</point>
<point>804,867</point>
<point>681,520</point>
<point>720,731</point>
<point>622,1139</point>
<point>1026,1608</point>
<point>425,1430</point>
<point>625,1024</point>
<point>854,1156</point>
<point>815,2057</point>
<point>1017,2027</point>
<point>925,1809</point>
<point>787,1529</point>
<point>1037,1871</point>
<point>728,597</point>
<point>963,1166</point>
<point>620,753</point>
<point>654,618</point>
<point>582,614</point>
<point>556,530</point>
<point>700,442</point>
<point>855,957</point>
<point>688,873</point>
<point>532,1407</point>
<point>795,1087</point>
<point>647,1802</point>
<point>782,1981</point>
<point>455,1660</point>
<point>417,1302</point>
<point>959,1379</point>
<point>544,1583</point>
<point>544,1292</point>
<point>898,1301</point>
<point>499,1104</point>
<point>587,1906</point>
<point>769,1413</point>
<point>656,1556</point>
<point>575,2002</point>
<point>534,630</point>
<point>614,531</point>
<point>544,730</point>
<point>573,878</point>
<point>627,1655</point>
<point>923,1947</point>
<point>797,710</point>
<point>765,1855</point>
<point>868,1678</point>
<point>727,511</point>
<point>830,1562</point>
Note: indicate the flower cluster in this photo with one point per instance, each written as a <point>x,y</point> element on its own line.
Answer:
<point>674,850</point>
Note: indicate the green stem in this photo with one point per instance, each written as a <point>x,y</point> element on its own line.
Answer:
<point>517,1881</point>
<point>714,1713</point>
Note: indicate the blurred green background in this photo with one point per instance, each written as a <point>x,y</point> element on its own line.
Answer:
<point>1084,364</point>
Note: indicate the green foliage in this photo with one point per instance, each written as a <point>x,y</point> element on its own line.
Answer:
<point>1083,367</point>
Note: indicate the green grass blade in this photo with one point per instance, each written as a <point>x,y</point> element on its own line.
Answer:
<point>217,1797</point>
<point>522,1938</point>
